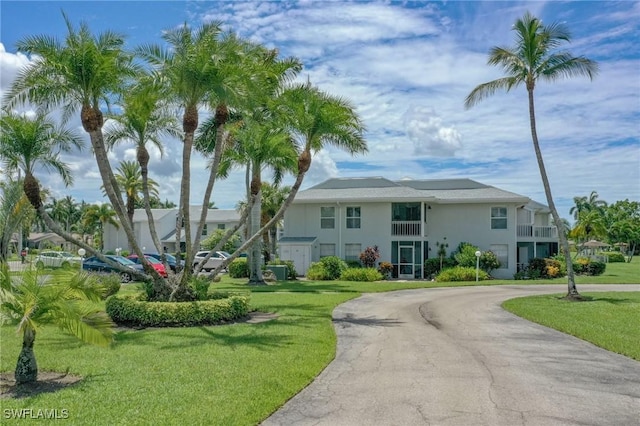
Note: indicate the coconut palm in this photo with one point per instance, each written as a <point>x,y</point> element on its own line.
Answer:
<point>273,197</point>
<point>587,204</point>
<point>96,216</point>
<point>31,301</point>
<point>533,58</point>
<point>82,73</point>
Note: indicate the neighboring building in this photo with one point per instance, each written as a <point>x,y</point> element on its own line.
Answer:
<point>406,219</point>
<point>165,224</point>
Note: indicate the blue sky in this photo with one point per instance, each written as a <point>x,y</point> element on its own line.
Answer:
<point>407,67</point>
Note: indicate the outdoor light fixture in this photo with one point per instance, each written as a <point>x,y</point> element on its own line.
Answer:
<point>81,253</point>
<point>478,253</point>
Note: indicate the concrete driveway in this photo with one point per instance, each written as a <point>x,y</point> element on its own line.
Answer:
<point>453,356</point>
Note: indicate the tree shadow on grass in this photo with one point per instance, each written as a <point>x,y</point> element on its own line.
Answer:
<point>47,382</point>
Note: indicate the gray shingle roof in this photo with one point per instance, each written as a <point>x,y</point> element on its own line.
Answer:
<point>447,191</point>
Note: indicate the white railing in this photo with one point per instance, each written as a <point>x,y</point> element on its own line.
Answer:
<point>537,231</point>
<point>406,228</point>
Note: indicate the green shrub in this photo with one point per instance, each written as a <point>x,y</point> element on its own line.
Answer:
<point>353,264</point>
<point>317,271</point>
<point>385,268</point>
<point>614,257</point>
<point>488,261</point>
<point>465,255</point>
<point>586,266</point>
<point>432,265</point>
<point>461,273</point>
<point>200,286</point>
<point>333,266</point>
<point>540,268</point>
<point>111,283</point>
<point>135,313</point>
<point>239,268</point>
<point>361,274</point>
<point>291,268</point>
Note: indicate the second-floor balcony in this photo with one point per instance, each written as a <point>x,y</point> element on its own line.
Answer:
<point>537,231</point>
<point>406,228</point>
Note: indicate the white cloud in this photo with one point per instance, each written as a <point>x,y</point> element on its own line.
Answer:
<point>430,136</point>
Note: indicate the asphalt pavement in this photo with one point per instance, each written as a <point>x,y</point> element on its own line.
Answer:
<point>453,356</point>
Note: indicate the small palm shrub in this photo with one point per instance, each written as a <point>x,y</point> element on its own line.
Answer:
<point>361,274</point>
<point>239,268</point>
<point>461,273</point>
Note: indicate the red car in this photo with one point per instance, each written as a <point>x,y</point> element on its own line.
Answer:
<point>157,265</point>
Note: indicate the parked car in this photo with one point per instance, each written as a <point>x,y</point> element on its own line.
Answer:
<point>56,259</point>
<point>157,265</point>
<point>214,261</point>
<point>171,260</point>
<point>97,265</point>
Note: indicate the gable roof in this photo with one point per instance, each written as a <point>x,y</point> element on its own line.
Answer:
<point>378,189</point>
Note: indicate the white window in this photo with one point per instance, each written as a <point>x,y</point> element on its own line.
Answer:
<point>327,250</point>
<point>221,226</point>
<point>353,217</point>
<point>327,217</point>
<point>502,253</point>
<point>352,251</point>
<point>498,218</point>
<point>204,230</point>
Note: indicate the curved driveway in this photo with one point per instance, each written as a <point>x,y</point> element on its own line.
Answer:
<point>453,356</point>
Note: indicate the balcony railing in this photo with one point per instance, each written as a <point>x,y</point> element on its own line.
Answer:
<point>406,228</point>
<point>537,231</point>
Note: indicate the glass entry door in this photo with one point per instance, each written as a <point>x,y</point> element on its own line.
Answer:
<point>405,264</point>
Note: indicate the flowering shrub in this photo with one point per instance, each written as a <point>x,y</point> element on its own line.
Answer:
<point>369,257</point>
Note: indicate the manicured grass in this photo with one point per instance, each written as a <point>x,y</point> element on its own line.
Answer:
<point>233,374</point>
<point>610,320</point>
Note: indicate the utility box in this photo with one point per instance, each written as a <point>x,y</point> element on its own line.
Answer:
<point>280,271</point>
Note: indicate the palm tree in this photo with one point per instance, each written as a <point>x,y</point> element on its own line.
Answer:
<point>14,208</point>
<point>25,300</point>
<point>274,197</point>
<point>587,204</point>
<point>82,73</point>
<point>129,178</point>
<point>314,120</point>
<point>96,216</point>
<point>189,68</point>
<point>534,57</point>
<point>145,119</point>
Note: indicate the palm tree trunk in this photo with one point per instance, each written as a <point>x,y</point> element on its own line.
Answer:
<point>572,292</point>
<point>27,368</point>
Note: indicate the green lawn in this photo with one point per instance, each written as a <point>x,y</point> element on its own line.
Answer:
<point>234,374</point>
<point>610,320</point>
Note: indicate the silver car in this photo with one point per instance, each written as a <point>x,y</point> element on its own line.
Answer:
<point>56,259</point>
<point>214,261</point>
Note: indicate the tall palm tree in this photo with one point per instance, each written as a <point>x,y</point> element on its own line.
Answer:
<point>189,69</point>
<point>27,302</point>
<point>535,57</point>
<point>586,204</point>
<point>80,74</point>
<point>96,216</point>
<point>314,120</point>
<point>274,197</point>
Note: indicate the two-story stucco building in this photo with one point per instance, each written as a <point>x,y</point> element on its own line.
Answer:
<point>405,219</point>
<point>165,224</point>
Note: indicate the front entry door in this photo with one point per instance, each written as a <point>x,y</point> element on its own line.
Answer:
<point>405,267</point>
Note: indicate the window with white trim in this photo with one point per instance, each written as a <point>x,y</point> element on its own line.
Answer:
<point>327,250</point>
<point>352,251</point>
<point>502,253</point>
<point>327,217</point>
<point>204,230</point>
<point>498,218</point>
<point>353,217</point>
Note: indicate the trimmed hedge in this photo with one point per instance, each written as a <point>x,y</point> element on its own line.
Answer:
<point>361,274</point>
<point>586,266</point>
<point>135,313</point>
<point>461,273</point>
<point>614,256</point>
